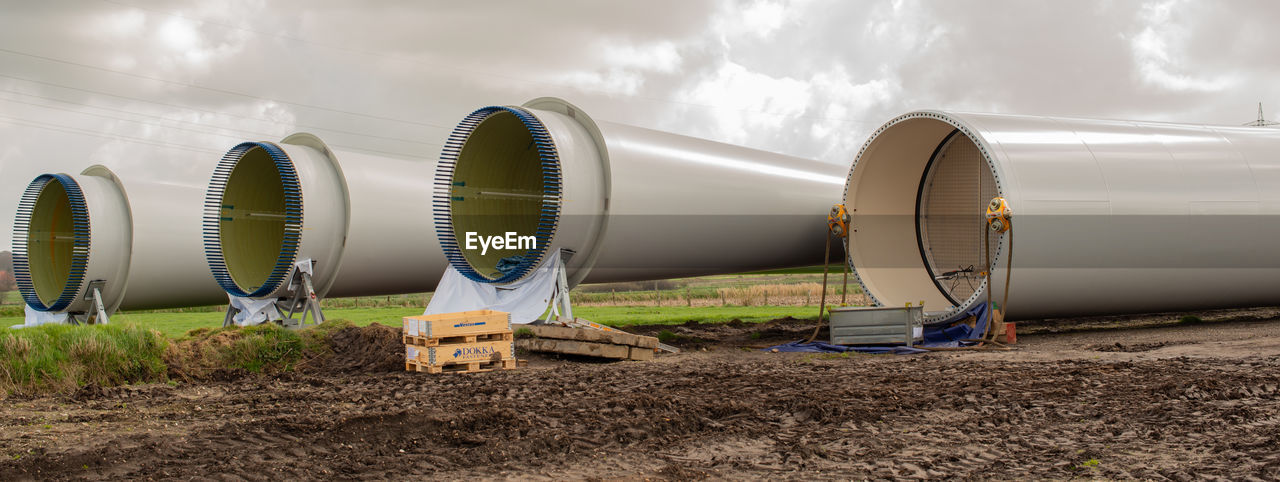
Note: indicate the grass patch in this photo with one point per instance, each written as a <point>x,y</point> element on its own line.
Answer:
<point>767,295</point>
<point>264,346</point>
<point>802,270</point>
<point>11,304</point>
<point>1190,320</point>
<point>62,358</point>
<point>176,325</point>
<point>742,290</point>
<point>11,297</point>
<point>1091,464</point>
<point>675,315</point>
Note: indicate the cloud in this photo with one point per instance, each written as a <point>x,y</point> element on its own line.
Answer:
<point>809,78</point>
<point>620,68</point>
<point>1160,66</point>
<point>764,102</point>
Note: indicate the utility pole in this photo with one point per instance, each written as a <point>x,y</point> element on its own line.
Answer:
<point>1262,121</point>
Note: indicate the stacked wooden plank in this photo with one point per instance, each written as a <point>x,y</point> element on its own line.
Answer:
<point>589,342</point>
<point>464,342</point>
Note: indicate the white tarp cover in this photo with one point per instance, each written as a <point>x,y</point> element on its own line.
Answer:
<point>254,311</point>
<point>36,318</point>
<point>302,266</point>
<point>526,300</point>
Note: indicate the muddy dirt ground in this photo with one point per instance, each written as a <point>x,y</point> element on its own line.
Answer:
<point>1119,397</point>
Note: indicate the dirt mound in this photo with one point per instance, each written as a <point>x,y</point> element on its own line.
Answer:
<point>367,349</point>
<point>201,357</point>
<point>334,347</point>
<point>734,334</point>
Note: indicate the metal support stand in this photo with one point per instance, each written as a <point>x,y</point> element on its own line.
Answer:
<point>97,313</point>
<point>229,319</point>
<point>561,308</point>
<point>302,299</point>
<point>562,289</point>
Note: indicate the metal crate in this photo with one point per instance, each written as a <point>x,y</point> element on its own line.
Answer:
<point>901,325</point>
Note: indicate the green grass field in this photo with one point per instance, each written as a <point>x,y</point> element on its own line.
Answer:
<point>835,266</point>
<point>635,307</point>
<point>59,359</point>
<point>176,325</point>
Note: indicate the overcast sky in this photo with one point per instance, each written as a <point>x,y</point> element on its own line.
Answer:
<point>158,90</point>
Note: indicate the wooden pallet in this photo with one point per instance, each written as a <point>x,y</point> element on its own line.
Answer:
<point>422,341</point>
<point>462,367</point>
<point>431,358</point>
<point>478,322</point>
<point>584,348</point>
<point>463,342</point>
<point>461,352</point>
<point>592,335</point>
<point>589,342</point>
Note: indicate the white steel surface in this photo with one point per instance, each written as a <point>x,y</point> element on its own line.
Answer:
<point>144,242</point>
<point>642,204</point>
<point>366,221</point>
<point>1109,216</point>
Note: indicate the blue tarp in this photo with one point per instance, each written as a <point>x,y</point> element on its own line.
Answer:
<point>824,347</point>
<point>939,337</point>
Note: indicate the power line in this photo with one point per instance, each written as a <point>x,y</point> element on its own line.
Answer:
<point>233,137</point>
<point>81,112</point>
<point>207,111</point>
<point>72,130</point>
<point>213,89</point>
<point>165,119</point>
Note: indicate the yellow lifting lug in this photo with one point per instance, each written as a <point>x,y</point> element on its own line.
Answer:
<point>999,215</point>
<point>838,221</point>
